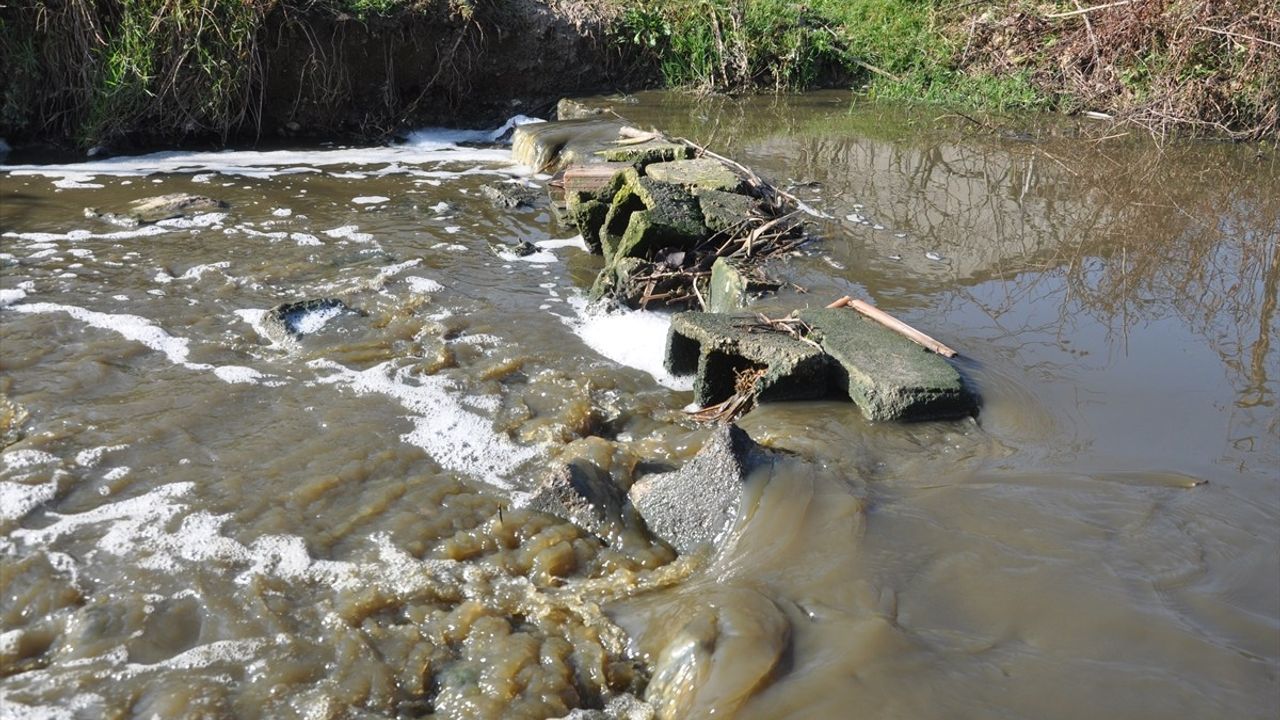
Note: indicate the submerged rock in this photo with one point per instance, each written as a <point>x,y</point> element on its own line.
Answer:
<point>717,346</point>
<point>698,503</point>
<point>292,320</point>
<point>888,376</point>
<point>586,496</point>
<point>13,419</point>
<point>165,207</point>
<point>509,196</point>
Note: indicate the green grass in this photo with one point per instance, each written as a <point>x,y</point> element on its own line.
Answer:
<point>889,49</point>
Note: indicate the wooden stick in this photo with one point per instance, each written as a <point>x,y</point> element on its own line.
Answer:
<point>900,327</point>
<point>842,302</point>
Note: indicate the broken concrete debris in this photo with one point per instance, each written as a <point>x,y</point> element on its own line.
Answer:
<point>680,226</point>
<point>717,346</point>
<point>698,503</point>
<point>685,508</point>
<point>659,216</point>
<point>827,352</point>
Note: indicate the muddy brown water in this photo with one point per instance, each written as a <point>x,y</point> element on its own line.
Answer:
<point>200,521</point>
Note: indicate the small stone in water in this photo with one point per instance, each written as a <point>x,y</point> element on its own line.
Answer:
<point>933,256</point>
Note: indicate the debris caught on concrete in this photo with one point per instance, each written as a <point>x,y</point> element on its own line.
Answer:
<point>662,211</point>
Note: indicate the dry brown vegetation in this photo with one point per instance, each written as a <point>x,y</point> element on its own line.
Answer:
<point>1205,66</point>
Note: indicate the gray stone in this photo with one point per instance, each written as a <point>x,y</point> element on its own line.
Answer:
<point>728,290</point>
<point>287,322</point>
<point>698,173</point>
<point>716,346</point>
<point>571,109</point>
<point>587,496</point>
<point>885,374</point>
<point>724,211</point>
<point>508,196</point>
<point>698,503</point>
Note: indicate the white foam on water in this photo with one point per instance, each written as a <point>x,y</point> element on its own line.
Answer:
<point>72,182</point>
<point>305,238</point>
<point>200,220</point>
<point>370,199</point>
<point>457,438</point>
<point>282,212</point>
<point>423,286</point>
<point>391,271</point>
<point>197,271</point>
<point>574,242</point>
<point>78,235</point>
<point>116,473</point>
<point>348,232</point>
<point>132,327</point>
<point>453,229</point>
<point>18,499</point>
<point>313,321</point>
<point>423,147</point>
<point>91,457</point>
<point>634,338</point>
<point>141,330</point>
<point>11,296</point>
<point>23,459</point>
<point>542,257</point>
<point>238,374</point>
<point>127,518</point>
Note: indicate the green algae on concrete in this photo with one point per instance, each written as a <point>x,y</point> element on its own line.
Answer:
<point>723,211</point>
<point>728,290</point>
<point>716,346</point>
<point>885,374</point>
<point>696,174</point>
<point>587,212</point>
<point>645,153</point>
<point>647,215</point>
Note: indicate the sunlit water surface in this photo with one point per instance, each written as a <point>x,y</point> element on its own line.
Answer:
<point>202,520</point>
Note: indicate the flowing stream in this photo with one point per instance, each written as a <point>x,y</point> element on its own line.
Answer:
<point>202,518</point>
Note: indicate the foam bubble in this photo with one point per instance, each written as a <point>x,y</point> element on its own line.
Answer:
<point>634,338</point>
<point>457,438</point>
<point>370,199</point>
<point>423,286</point>
<point>11,296</point>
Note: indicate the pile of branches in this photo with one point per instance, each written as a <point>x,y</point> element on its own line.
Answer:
<point>1207,67</point>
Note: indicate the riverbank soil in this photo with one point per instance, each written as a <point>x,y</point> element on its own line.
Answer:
<point>146,71</point>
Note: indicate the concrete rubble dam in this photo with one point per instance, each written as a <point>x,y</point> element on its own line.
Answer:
<point>204,516</point>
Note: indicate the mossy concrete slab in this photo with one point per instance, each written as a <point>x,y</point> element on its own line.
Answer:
<point>698,173</point>
<point>717,346</point>
<point>645,153</point>
<point>885,374</point>
<point>587,212</point>
<point>728,291</point>
<point>647,215</point>
<point>723,211</point>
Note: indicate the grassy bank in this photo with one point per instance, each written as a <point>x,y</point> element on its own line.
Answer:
<point>1168,65</point>
<point>95,71</point>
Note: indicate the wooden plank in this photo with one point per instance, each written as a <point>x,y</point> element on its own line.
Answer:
<point>894,324</point>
